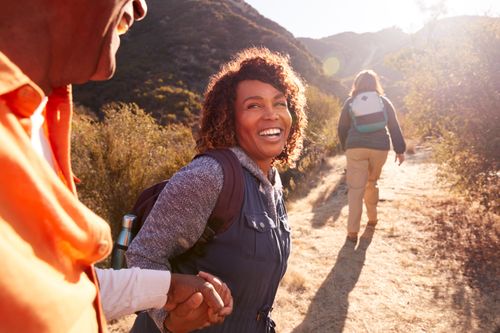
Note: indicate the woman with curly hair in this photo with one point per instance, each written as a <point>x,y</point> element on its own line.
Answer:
<point>255,107</point>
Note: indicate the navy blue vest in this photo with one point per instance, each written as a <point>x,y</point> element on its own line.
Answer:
<point>250,257</point>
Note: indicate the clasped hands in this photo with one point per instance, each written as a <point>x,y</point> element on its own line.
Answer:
<point>196,301</point>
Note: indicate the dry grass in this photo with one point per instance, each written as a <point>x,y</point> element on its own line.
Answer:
<point>411,147</point>
<point>406,276</point>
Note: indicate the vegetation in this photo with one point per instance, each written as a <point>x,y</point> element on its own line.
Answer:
<point>128,150</point>
<point>120,156</point>
<point>167,49</point>
<point>321,135</point>
<point>184,104</point>
<point>450,91</point>
<point>453,96</point>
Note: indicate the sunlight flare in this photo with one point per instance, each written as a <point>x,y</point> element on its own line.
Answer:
<point>331,66</point>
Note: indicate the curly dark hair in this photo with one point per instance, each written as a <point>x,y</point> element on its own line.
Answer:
<point>217,122</point>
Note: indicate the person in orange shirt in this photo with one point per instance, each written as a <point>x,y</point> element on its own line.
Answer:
<point>49,240</point>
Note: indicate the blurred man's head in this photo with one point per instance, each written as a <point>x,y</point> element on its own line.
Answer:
<point>92,32</point>
<point>59,42</point>
<point>124,13</point>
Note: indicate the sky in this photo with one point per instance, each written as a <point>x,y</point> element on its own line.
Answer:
<point>323,18</point>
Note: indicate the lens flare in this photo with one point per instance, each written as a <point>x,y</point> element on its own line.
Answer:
<point>331,66</point>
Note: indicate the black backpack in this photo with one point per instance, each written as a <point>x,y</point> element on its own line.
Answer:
<point>226,210</point>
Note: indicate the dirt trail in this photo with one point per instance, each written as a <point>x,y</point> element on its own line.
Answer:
<point>391,281</point>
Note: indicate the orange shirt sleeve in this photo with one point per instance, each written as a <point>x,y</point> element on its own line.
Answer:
<point>48,239</point>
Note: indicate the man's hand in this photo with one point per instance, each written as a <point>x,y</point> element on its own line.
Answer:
<point>400,158</point>
<point>182,286</point>
<point>188,316</point>
<point>196,301</point>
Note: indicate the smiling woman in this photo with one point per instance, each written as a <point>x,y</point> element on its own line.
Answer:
<point>255,64</point>
<point>254,106</point>
<point>263,121</point>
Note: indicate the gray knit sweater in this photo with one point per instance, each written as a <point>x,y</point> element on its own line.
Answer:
<point>180,214</point>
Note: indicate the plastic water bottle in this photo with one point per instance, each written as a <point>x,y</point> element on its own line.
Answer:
<point>122,243</point>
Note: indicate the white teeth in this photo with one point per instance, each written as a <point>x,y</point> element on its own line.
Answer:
<point>270,131</point>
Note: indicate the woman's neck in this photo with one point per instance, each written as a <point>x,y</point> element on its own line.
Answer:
<point>264,167</point>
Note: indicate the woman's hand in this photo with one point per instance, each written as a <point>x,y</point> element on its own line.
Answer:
<point>183,286</point>
<point>400,158</point>
<point>197,302</point>
<point>224,292</point>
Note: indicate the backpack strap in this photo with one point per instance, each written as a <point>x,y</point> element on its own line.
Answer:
<point>230,200</point>
<point>225,210</point>
<point>144,204</point>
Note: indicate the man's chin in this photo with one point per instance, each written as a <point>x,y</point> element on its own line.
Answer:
<point>106,65</point>
<point>103,75</point>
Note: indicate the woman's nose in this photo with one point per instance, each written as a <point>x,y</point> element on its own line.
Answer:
<point>271,112</point>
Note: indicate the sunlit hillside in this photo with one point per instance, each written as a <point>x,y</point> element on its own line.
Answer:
<point>344,54</point>
<point>431,264</point>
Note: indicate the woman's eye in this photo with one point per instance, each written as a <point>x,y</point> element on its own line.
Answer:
<point>253,106</point>
<point>281,104</point>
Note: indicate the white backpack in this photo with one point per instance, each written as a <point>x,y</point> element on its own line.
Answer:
<point>368,112</point>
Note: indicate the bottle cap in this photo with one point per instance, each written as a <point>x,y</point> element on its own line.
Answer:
<point>128,220</point>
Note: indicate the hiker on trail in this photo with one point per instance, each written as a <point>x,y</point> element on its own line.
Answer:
<point>255,107</point>
<point>49,241</point>
<point>362,130</point>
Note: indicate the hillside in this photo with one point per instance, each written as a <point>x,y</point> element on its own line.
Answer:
<point>165,61</point>
<point>356,51</point>
<point>181,43</point>
<point>352,52</point>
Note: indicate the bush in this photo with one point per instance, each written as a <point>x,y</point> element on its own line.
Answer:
<point>182,104</point>
<point>454,97</point>
<point>128,150</point>
<point>321,135</point>
<point>120,156</point>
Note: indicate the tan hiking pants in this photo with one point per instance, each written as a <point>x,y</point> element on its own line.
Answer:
<point>363,170</point>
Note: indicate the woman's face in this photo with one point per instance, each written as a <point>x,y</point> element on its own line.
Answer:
<point>262,121</point>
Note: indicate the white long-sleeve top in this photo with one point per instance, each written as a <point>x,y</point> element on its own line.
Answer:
<point>126,291</point>
<point>123,291</point>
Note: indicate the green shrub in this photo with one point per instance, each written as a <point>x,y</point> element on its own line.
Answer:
<point>323,114</point>
<point>120,156</point>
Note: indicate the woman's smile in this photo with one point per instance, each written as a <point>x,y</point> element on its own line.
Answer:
<point>263,121</point>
